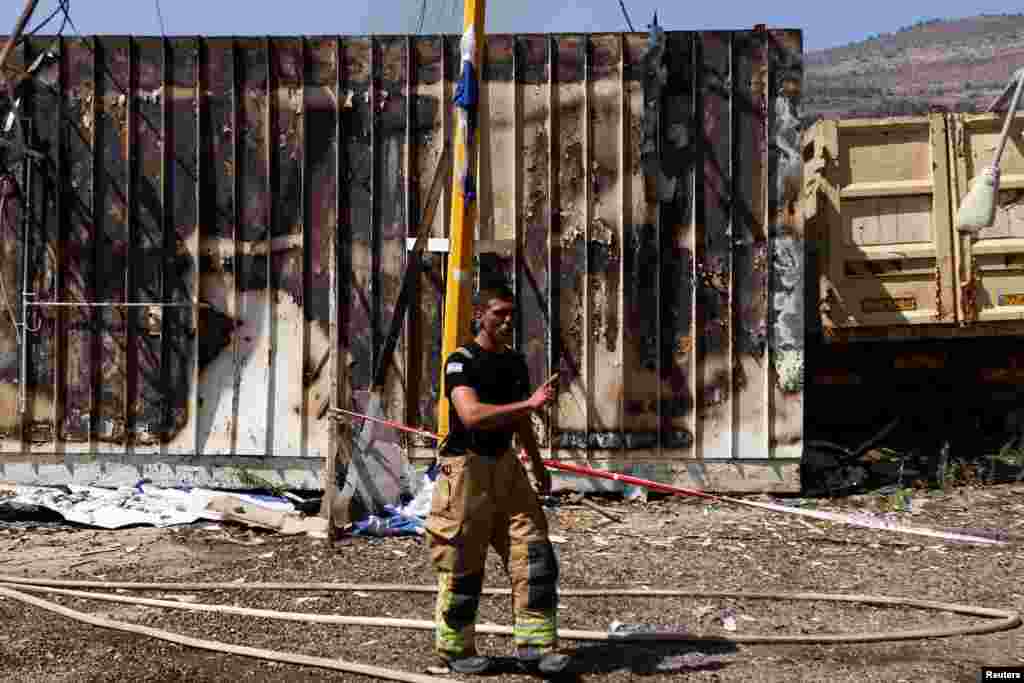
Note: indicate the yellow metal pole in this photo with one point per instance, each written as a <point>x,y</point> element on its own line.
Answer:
<point>458,304</point>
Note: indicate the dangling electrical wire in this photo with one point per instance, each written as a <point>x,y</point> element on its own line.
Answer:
<point>61,7</point>
<point>423,15</point>
<point>160,16</point>
<point>625,14</point>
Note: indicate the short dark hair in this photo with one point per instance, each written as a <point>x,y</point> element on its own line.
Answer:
<point>489,293</point>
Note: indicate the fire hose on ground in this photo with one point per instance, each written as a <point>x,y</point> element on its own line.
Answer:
<point>17,588</point>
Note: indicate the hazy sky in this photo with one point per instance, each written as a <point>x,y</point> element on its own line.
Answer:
<point>824,24</point>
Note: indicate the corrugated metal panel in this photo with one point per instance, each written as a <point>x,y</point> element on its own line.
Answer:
<point>642,201</point>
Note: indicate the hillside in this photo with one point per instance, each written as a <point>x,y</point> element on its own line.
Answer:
<point>956,64</point>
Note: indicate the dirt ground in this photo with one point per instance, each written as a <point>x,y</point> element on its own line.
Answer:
<point>663,543</point>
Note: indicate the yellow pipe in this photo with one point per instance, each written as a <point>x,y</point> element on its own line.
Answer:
<point>458,304</point>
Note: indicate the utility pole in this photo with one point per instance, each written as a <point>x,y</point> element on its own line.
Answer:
<point>458,305</point>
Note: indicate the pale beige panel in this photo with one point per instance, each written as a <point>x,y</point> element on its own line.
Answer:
<point>497,170</point>
<point>879,155</point>
<point>888,220</point>
<point>862,222</point>
<point>905,219</point>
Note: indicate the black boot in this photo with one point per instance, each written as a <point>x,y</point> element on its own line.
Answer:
<point>534,661</point>
<point>469,666</point>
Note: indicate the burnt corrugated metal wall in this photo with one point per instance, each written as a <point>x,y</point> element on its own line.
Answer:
<point>232,210</point>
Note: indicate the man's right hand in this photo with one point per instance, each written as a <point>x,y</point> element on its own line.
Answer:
<point>544,394</point>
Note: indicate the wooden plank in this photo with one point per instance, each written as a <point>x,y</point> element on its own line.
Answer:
<point>430,134</point>
<point>750,255</point>
<point>339,454</point>
<point>112,228</point>
<point>253,412</point>
<point>496,167</point>
<point>193,247</point>
<point>11,251</point>
<point>46,227</point>
<point>390,155</point>
<point>605,183</point>
<point>148,185</point>
<point>641,268</point>
<point>714,250</point>
<point>786,247</point>
<point>534,279</point>
<point>497,145</point>
<point>359,203</point>
<point>217,337</point>
<point>180,247</point>
<point>320,201</point>
<point>688,184</point>
<point>79,262</point>
<point>569,232</point>
<point>289,357</point>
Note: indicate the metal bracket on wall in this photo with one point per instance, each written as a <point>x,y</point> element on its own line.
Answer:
<point>29,302</point>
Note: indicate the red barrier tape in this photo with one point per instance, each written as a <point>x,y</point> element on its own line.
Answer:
<point>861,520</point>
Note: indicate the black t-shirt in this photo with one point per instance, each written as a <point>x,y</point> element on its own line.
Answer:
<point>498,378</point>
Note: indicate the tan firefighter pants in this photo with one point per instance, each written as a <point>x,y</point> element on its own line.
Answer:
<point>482,501</point>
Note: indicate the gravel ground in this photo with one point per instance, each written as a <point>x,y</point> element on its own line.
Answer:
<point>664,543</point>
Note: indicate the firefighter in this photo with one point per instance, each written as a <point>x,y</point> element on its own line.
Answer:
<point>484,498</point>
